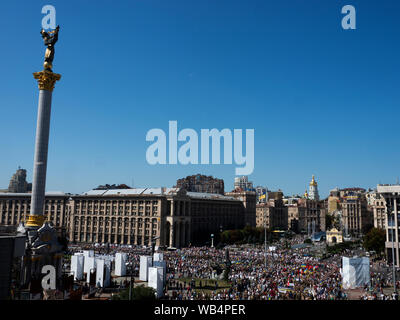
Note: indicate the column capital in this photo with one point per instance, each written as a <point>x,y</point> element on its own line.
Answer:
<point>46,79</point>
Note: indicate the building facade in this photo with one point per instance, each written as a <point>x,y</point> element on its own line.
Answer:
<point>379,210</point>
<point>356,215</point>
<point>201,183</point>
<point>391,196</point>
<point>18,183</point>
<point>170,217</point>
<point>248,198</point>
<point>273,215</point>
<point>243,183</point>
<point>15,208</point>
<point>261,194</point>
<point>307,216</point>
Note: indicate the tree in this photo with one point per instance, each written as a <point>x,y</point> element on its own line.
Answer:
<point>227,271</point>
<point>374,240</point>
<point>329,220</point>
<point>367,228</point>
<point>138,293</point>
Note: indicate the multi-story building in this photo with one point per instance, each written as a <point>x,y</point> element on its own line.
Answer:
<point>201,183</point>
<point>272,215</point>
<point>172,217</point>
<point>18,183</point>
<point>213,213</point>
<point>243,183</point>
<point>356,216</point>
<point>376,204</point>
<point>307,216</point>
<point>391,196</point>
<point>261,194</point>
<point>333,203</point>
<point>248,198</point>
<point>15,208</point>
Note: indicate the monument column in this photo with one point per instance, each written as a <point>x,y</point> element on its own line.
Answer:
<point>46,80</point>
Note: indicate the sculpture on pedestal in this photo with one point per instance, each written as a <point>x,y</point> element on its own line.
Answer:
<point>50,38</point>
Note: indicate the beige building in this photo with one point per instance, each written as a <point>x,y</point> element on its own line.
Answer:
<point>379,210</point>
<point>248,198</point>
<point>306,215</point>
<point>334,201</point>
<point>273,215</point>
<point>391,196</point>
<point>355,212</point>
<point>173,216</point>
<point>15,208</point>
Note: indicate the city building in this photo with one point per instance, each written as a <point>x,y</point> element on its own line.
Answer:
<point>356,216</point>
<point>248,198</point>
<point>379,209</point>
<point>261,194</point>
<point>333,201</point>
<point>15,208</point>
<point>243,183</point>
<point>172,217</point>
<point>307,216</point>
<point>18,183</point>
<point>391,196</point>
<point>201,183</point>
<point>273,215</point>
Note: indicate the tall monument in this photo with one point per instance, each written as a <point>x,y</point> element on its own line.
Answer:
<point>43,247</point>
<point>46,80</point>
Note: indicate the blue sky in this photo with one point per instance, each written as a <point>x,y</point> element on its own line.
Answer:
<point>322,100</point>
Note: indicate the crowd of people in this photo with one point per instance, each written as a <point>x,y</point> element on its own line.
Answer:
<point>196,273</point>
<point>279,274</point>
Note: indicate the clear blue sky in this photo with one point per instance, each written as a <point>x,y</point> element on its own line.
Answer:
<point>322,100</point>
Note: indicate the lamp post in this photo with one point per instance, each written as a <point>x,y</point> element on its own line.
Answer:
<point>265,239</point>
<point>212,240</point>
<point>391,214</point>
<point>130,282</point>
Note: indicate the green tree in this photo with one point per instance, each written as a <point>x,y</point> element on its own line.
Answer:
<point>138,293</point>
<point>329,220</point>
<point>374,240</point>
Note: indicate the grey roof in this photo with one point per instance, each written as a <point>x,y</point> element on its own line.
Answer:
<point>49,193</point>
<point>213,196</point>
<point>132,191</point>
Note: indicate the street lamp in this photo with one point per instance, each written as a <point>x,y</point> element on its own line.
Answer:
<point>131,280</point>
<point>265,239</point>
<point>212,240</point>
<point>390,213</point>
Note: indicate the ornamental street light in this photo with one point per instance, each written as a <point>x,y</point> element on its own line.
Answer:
<point>392,234</point>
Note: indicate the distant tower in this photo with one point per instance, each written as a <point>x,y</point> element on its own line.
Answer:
<point>18,182</point>
<point>313,190</point>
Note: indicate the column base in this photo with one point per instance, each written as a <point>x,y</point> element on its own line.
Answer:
<point>35,220</point>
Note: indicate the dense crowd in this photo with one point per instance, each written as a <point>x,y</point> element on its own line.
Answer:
<point>254,274</point>
<point>280,274</point>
